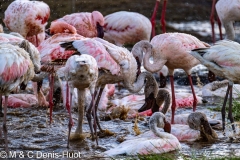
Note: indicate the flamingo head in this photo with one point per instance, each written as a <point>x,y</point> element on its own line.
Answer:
<point>167,126</point>
<point>98,20</point>
<point>150,101</point>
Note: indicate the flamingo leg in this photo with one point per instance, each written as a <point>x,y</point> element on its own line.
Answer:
<point>194,95</point>
<point>4,123</point>
<point>153,18</point>
<point>220,27</point>
<point>230,116</point>
<point>51,80</point>
<point>94,118</point>
<point>163,22</point>
<point>212,20</point>
<point>96,107</point>
<point>1,113</point>
<point>224,108</point>
<point>88,115</point>
<point>163,81</point>
<point>36,40</point>
<point>68,106</point>
<point>173,98</point>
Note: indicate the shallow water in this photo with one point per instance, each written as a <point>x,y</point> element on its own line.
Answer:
<point>29,131</point>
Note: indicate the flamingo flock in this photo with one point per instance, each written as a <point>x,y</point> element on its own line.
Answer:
<point>85,52</point>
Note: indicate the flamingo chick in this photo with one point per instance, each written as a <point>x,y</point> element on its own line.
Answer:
<point>223,60</point>
<point>171,49</point>
<point>153,142</point>
<point>16,68</point>
<point>126,28</point>
<point>81,72</point>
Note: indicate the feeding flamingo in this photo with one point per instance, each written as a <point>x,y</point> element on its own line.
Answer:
<point>125,27</point>
<point>222,59</point>
<point>116,64</point>
<point>152,142</point>
<point>16,68</point>
<point>171,49</point>
<point>28,18</point>
<point>87,24</point>
<point>81,72</point>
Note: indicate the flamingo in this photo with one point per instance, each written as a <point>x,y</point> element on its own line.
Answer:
<point>125,27</point>
<point>81,72</point>
<point>197,127</point>
<point>16,38</point>
<point>152,142</point>
<point>228,12</point>
<point>222,59</point>
<point>153,18</point>
<point>171,49</point>
<point>116,64</point>
<point>16,68</point>
<point>28,18</point>
<point>87,24</point>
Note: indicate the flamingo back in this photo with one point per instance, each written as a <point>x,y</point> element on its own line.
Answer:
<point>175,47</point>
<point>27,17</point>
<point>15,67</point>
<point>29,47</point>
<point>50,50</point>
<point>83,22</point>
<point>124,58</point>
<point>62,27</point>
<point>126,28</point>
<point>99,52</point>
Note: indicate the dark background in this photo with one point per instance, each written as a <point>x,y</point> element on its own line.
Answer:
<point>177,10</point>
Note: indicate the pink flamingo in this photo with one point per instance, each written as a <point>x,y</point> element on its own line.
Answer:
<point>116,64</point>
<point>81,72</point>
<point>28,18</point>
<point>17,39</point>
<point>153,18</point>
<point>87,24</point>
<point>151,142</point>
<point>171,49</point>
<point>16,68</point>
<point>222,59</point>
<point>126,28</point>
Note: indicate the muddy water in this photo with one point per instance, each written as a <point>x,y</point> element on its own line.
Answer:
<point>31,136</point>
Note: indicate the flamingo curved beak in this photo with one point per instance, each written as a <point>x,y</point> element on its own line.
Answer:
<point>149,102</point>
<point>100,32</point>
<point>167,126</point>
